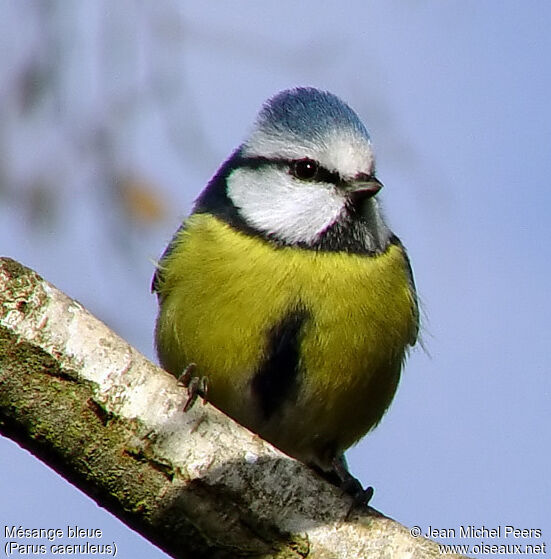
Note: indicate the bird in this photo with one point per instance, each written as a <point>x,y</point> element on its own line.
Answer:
<point>285,290</point>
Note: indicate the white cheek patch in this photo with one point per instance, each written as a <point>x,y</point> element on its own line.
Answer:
<point>274,202</point>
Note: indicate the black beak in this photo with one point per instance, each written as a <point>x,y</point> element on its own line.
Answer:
<point>362,187</point>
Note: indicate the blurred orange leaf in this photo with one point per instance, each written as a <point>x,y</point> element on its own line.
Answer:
<point>141,200</point>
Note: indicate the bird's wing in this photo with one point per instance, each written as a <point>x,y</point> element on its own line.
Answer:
<point>415,301</point>
<point>158,274</point>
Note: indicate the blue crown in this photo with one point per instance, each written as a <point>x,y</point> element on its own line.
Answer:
<point>309,113</point>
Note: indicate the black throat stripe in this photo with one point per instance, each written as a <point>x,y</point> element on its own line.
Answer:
<point>277,378</point>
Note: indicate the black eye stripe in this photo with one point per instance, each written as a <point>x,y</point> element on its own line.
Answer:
<point>332,177</point>
<point>322,174</point>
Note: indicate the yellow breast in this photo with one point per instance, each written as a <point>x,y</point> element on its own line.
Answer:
<point>222,292</point>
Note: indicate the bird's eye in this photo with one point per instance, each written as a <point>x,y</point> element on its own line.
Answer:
<point>304,169</point>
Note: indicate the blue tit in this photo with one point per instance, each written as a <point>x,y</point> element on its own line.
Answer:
<point>287,289</point>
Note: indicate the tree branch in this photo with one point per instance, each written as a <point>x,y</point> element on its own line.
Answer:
<point>196,484</point>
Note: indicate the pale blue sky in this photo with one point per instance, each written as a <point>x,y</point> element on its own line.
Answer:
<point>456,97</point>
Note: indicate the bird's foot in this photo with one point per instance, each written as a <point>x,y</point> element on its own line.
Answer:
<point>196,385</point>
<point>350,485</point>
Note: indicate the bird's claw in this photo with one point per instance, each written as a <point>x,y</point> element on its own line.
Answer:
<point>351,486</point>
<point>196,385</point>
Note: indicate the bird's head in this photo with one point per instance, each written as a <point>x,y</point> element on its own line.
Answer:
<point>305,175</point>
